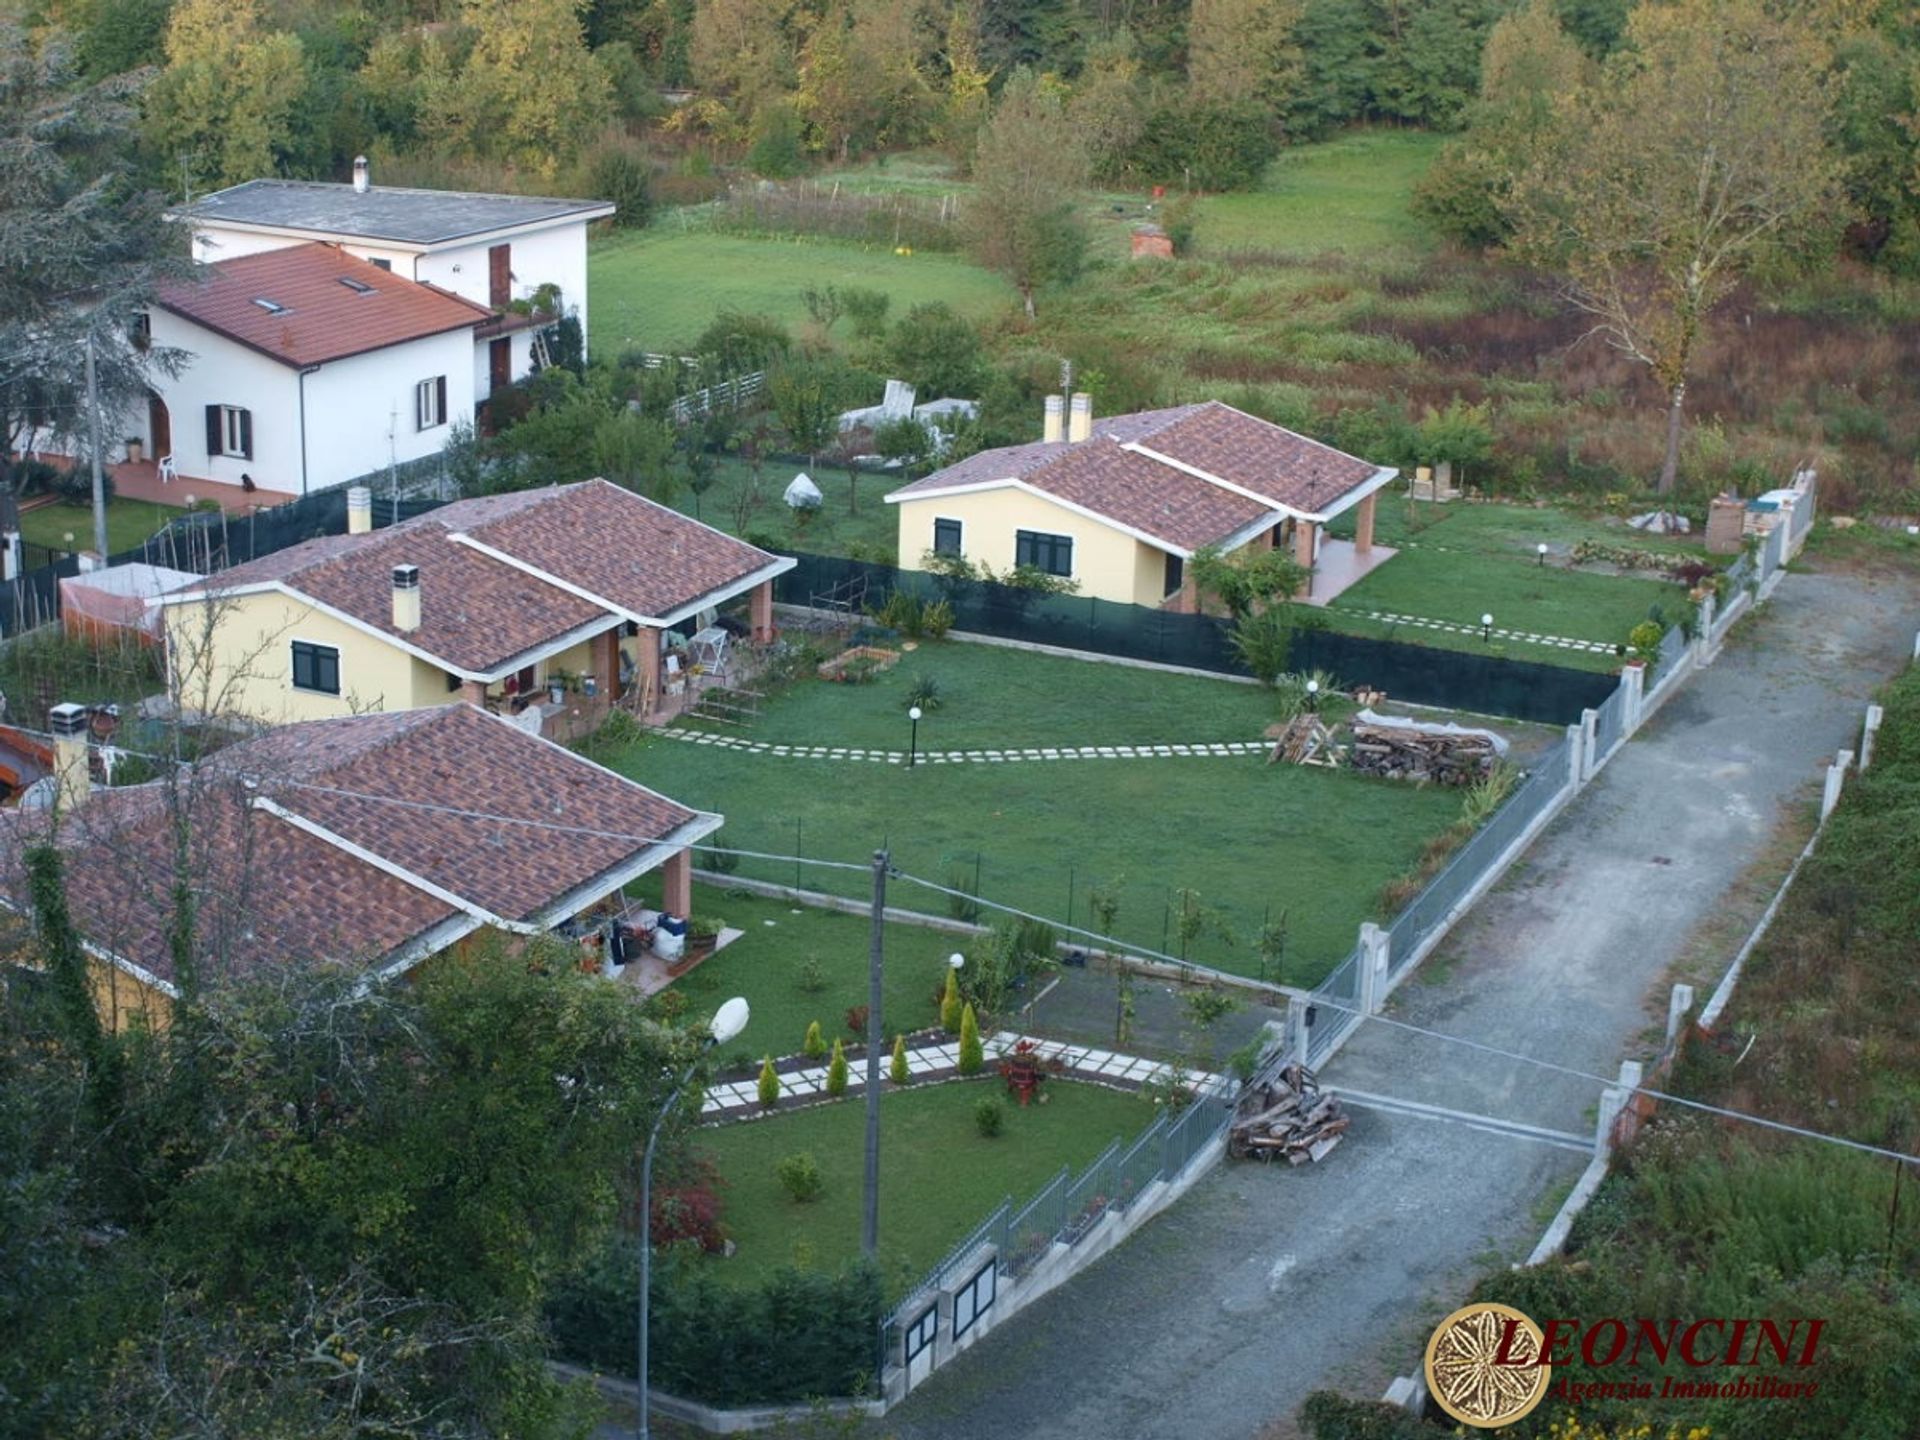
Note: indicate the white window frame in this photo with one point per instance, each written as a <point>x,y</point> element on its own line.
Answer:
<point>429,403</point>
<point>233,430</point>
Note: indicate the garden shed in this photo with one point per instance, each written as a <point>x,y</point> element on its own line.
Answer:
<point>112,604</point>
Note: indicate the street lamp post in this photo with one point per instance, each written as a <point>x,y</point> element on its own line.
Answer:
<point>728,1022</point>
<point>913,740</point>
<point>1486,627</point>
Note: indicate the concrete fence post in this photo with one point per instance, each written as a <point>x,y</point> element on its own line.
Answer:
<point>1869,732</point>
<point>1611,1103</point>
<point>1703,637</point>
<point>1633,679</point>
<point>1297,1037</point>
<point>1589,744</point>
<point>1576,759</point>
<point>10,564</point>
<point>1372,960</point>
<point>1679,1006</point>
<point>1916,644</point>
<point>1836,777</point>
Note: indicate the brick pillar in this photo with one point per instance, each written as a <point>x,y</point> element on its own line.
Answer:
<point>474,692</point>
<point>762,612</point>
<point>646,668</point>
<point>1363,524</point>
<point>676,884</point>
<point>1303,537</point>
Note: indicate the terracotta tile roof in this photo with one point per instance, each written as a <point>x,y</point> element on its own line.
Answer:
<point>317,317</point>
<point>271,891</point>
<point>1268,459</point>
<point>478,613</point>
<point>1179,509</point>
<point>647,559</point>
<point>1144,495</point>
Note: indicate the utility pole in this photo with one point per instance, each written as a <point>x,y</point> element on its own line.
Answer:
<point>870,1214</point>
<point>99,479</point>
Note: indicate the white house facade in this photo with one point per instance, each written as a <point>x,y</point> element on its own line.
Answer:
<point>497,251</point>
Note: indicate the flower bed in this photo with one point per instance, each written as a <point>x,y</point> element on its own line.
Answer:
<point>858,665</point>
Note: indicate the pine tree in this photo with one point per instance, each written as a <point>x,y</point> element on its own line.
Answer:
<point>837,1071</point>
<point>972,1057</point>
<point>816,1043</point>
<point>898,1073</point>
<point>769,1084</point>
<point>950,1004</point>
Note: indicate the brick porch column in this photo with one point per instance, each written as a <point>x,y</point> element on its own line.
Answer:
<point>646,668</point>
<point>474,692</point>
<point>676,884</point>
<point>1303,537</point>
<point>1363,525</point>
<point>762,612</point>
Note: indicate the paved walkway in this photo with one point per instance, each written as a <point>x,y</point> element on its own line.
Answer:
<point>1524,637</point>
<point>970,757</point>
<point>1267,1283</point>
<point>1081,1063</point>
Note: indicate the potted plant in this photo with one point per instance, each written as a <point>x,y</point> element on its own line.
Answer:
<point>702,936</point>
<point>557,686</point>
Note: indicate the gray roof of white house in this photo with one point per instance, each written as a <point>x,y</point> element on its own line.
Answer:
<point>409,217</point>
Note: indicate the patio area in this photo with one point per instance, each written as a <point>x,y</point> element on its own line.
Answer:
<point>1341,566</point>
<point>140,480</point>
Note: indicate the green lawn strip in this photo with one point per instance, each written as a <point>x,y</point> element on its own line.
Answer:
<point>128,523</point>
<point>995,697</point>
<point>1461,586</point>
<point>939,1177</point>
<point>1253,839</point>
<point>659,289</point>
<point>1345,195</point>
<point>1510,530</point>
<point>765,966</point>
<point>862,523</point>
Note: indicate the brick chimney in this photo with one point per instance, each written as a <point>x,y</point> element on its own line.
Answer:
<point>71,770</point>
<point>1055,428</point>
<point>406,597</point>
<point>359,510</point>
<point>1080,420</point>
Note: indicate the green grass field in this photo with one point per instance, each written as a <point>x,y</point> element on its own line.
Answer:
<point>1348,195</point>
<point>938,1177</point>
<point>1254,840</point>
<point>867,527</point>
<point>659,289</point>
<point>128,523</point>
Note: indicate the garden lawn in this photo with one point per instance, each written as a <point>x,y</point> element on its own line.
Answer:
<point>765,967</point>
<point>868,529</point>
<point>938,1176</point>
<point>1256,841</point>
<point>128,523</point>
<point>998,697</point>
<point>659,289</point>
<point>1348,195</point>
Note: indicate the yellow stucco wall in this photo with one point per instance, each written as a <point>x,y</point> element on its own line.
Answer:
<point>250,654</point>
<point>124,1002</point>
<point>1109,564</point>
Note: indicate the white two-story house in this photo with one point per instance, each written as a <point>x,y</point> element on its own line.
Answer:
<point>491,249</point>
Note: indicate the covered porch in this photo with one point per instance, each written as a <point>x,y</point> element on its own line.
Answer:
<point>1334,566</point>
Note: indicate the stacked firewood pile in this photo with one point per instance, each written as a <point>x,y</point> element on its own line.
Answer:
<point>1418,755</point>
<point>1287,1115</point>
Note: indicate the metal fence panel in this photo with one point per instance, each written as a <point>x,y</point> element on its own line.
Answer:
<point>1140,1165</point>
<point>1610,724</point>
<point>1031,1230</point>
<point>1674,652</point>
<point>1089,1196</point>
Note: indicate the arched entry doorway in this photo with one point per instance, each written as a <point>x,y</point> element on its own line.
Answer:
<point>159,427</point>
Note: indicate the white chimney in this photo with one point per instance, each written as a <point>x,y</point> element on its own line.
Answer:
<point>1055,429</point>
<point>406,597</point>
<point>361,181</point>
<point>359,510</point>
<point>70,765</point>
<point>1080,421</point>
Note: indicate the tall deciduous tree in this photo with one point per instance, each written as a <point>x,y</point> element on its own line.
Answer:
<point>531,92</point>
<point>220,109</point>
<point>1029,173</point>
<point>81,245</point>
<point>1241,52</point>
<point>1700,156</point>
<point>746,51</point>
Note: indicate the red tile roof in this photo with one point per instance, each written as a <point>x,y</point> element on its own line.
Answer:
<point>316,318</point>
<point>552,830</point>
<point>479,613</point>
<point>1110,476</point>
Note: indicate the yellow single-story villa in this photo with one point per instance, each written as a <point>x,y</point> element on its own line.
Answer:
<point>1119,506</point>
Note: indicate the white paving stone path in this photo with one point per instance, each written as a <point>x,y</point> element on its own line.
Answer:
<point>1526,637</point>
<point>1212,750</point>
<point>1081,1062</point>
